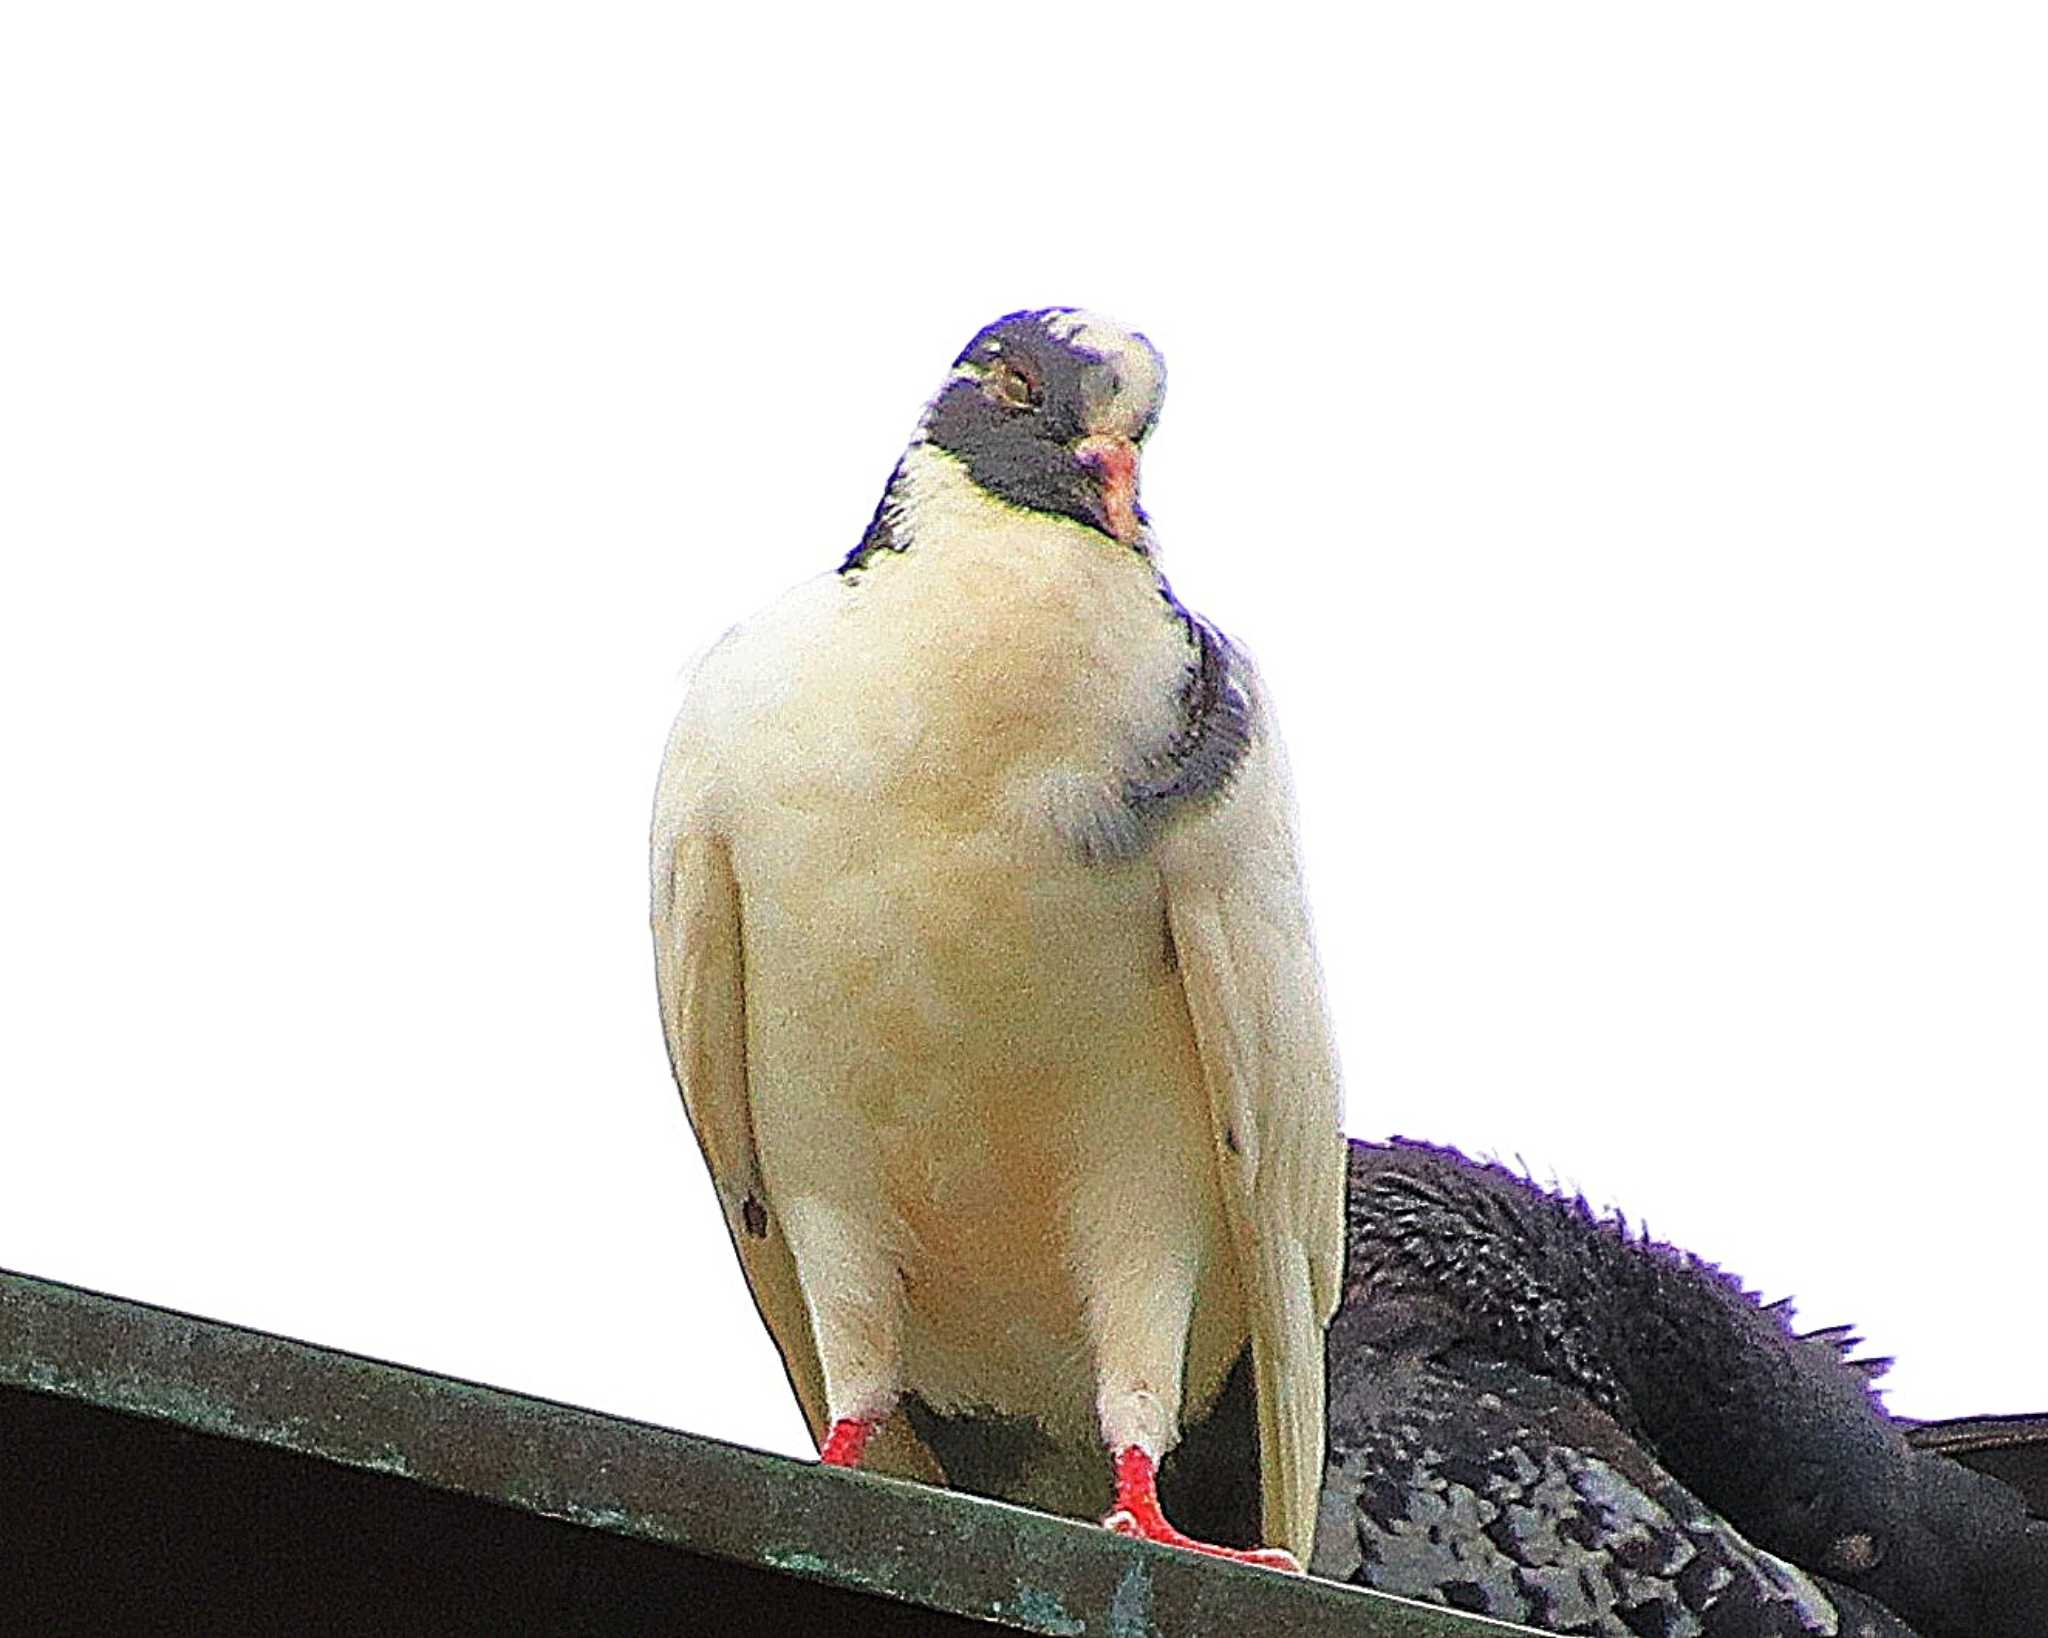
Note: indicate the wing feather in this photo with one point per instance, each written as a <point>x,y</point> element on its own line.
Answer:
<point>1241,933</point>
<point>700,967</point>
<point>700,971</point>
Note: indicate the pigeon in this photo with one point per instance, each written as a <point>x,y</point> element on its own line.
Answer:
<point>1538,1415</point>
<point>986,970</point>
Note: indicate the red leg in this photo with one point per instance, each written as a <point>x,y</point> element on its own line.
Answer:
<point>1138,1513</point>
<point>846,1441</point>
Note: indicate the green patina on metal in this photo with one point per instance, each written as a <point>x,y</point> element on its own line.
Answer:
<point>797,1563</point>
<point>1039,1611</point>
<point>934,1550</point>
<point>1130,1607</point>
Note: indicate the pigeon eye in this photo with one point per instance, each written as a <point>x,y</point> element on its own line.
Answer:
<point>1009,385</point>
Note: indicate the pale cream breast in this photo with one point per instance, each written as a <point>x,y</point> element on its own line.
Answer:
<point>935,979</point>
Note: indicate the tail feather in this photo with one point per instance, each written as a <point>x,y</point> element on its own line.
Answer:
<point>1287,1369</point>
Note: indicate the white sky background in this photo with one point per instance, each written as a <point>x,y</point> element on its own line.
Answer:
<point>1620,435</point>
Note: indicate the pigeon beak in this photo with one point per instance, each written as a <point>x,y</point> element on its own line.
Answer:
<point>1114,459</point>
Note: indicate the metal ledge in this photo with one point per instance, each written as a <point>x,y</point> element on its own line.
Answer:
<point>160,1471</point>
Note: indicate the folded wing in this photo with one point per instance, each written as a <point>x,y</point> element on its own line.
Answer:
<point>1241,934</point>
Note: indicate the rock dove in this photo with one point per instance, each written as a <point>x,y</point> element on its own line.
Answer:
<point>1537,1415</point>
<point>985,967</point>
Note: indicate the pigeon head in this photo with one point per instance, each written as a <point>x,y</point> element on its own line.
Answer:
<point>1047,409</point>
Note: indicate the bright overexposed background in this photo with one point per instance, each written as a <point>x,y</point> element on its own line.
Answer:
<point>1619,431</point>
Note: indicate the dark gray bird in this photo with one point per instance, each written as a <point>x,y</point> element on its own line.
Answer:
<point>1538,1415</point>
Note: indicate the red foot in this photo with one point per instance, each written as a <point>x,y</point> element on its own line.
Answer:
<point>846,1441</point>
<point>1137,1513</point>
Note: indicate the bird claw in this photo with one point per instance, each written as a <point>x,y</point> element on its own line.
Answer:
<point>1123,1522</point>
